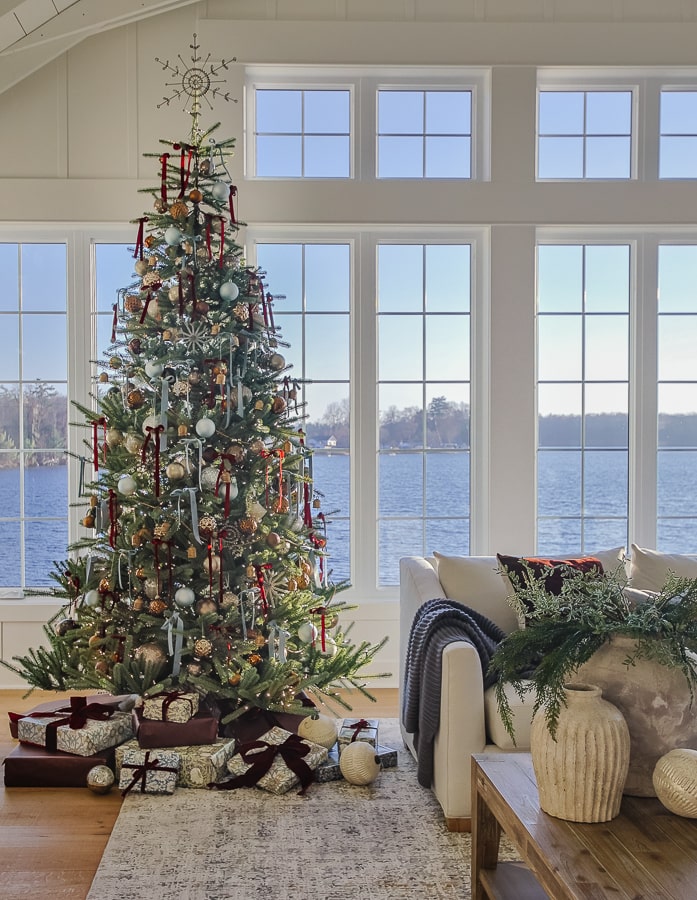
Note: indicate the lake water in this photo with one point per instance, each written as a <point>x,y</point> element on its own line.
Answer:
<point>423,507</point>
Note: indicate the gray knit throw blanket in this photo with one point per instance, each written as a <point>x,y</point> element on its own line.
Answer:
<point>436,624</point>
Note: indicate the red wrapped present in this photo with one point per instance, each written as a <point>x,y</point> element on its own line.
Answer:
<point>28,766</point>
<point>153,734</point>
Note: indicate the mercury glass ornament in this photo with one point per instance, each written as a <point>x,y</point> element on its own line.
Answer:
<point>100,779</point>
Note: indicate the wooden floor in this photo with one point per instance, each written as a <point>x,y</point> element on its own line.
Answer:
<point>51,840</point>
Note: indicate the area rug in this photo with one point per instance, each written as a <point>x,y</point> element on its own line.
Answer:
<point>385,841</point>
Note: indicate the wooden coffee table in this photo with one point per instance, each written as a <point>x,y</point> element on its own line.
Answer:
<point>646,853</point>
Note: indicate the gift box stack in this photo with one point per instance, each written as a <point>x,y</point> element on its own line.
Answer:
<point>60,741</point>
<point>174,727</point>
<point>354,730</point>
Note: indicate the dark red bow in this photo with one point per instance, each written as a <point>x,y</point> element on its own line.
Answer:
<point>77,716</point>
<point>141,772</point>
<point>259,755</point>
<point>169,698</point>
<point>357,727</point>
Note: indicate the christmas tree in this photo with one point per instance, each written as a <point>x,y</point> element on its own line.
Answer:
<point>204,563</point>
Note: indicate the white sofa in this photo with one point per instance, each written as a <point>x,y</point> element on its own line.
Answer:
<point>469,720</point>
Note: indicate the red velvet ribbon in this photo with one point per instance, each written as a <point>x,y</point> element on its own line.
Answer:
<point>259,755</point>
<point>114,322</point>
<point>307,508</point>
<point>222,242</point>
<point>185,156</point>
<point>208,219</point>
<point>322,611</point>
<point>269,302</point>
<point>163,177</point>
<point>180,291</point>
<point>154,433</point>
<point>141,772</point>
<point>138,252</point>
<point>168,699</point>
<point>357,727</point>
<point>79,712</point>
<point>95,442</point>
<point>221,536</point>
<point>113,518</point>
<point>281,456</point>
<point>259,569</point>
<point>145,307</point>
<point>209,550</point>
<point>233,193</point>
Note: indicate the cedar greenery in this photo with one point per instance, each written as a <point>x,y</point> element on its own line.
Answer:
<point>563,632</point>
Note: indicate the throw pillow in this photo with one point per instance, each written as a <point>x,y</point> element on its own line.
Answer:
<point>476,582</point>
<point>648,569</point>
<point>553,571</point>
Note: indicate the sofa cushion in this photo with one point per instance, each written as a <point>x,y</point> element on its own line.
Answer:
<point>476,582</point>
<point>554,571</point>
<point>521,711</point>
<point>648,569</point>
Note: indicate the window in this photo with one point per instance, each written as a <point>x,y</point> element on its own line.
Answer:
<point>583,293</point>
<point>33,411</point>
<point>584,134</point>
<point>424,134</point>
<point>677,398</point>
<point>313,318</point>
<point>678,134</point>
<point>363,124</point>
<point>424,304</point>
<point>302,133</point>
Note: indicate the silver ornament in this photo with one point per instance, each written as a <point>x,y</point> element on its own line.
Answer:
<point>100,779</point>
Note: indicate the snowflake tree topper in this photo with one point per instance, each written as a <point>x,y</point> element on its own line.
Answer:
<point>195,82</point>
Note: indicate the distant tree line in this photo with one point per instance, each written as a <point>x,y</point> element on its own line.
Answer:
<point>447,425</point>
<point>45,420</point>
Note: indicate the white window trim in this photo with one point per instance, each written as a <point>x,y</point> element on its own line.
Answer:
<point>363,84</point>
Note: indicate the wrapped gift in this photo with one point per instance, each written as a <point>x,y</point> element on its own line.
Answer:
<point>198,766</point>
<point>170,706</point>
<point>153,734</point>
<point>149,772</point>
<point>256,721</point>
<point>120,701</point>
<point>358,730</point>
<point>82,728</point>
<point>276,762</point>
<point>387,757</point>
<point>329,769</point>
<point>28,766</point>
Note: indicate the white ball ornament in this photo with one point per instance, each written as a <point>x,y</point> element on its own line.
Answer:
<point>330,647</point>
<point>126,485</point>
<point>220,190</point>
<point>307,632</point>
<point>173,236</point>
<point>675,781</point>
<point>359,763</point>
<point>184,597</point>
<point>229,291</point>
<point>154,368</point>
<point>151,422</point>
<point>209,478</point>
<point>92,598</point>
<point>205,428</point>
<point>320,730</point>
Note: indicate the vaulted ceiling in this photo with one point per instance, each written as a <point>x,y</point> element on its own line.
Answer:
<point>34,32</point>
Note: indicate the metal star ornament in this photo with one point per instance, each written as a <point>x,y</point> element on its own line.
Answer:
<point>195,82</point>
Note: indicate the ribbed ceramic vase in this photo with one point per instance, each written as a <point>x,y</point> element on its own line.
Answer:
<point>581,774</point>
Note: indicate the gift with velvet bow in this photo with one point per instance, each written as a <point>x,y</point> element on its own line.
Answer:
<point>277,761</point>
<point>170,706</point>
<point>149,772</point>
<point>358,730</point>
<point>82,727</point>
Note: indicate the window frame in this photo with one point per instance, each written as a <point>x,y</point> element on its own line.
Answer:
<point>364,83</point>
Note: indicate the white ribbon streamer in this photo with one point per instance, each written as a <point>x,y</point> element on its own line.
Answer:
<point>174,626</point>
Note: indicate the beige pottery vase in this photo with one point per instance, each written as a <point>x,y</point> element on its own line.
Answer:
<point>655,702</point>
<point>581,774</point>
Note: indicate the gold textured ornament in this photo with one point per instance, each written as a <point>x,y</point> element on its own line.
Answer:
<point>206,525</point>
<point>278,405</point>
<point>229,599</point>
<point>133,303</point>
<point>101,667</point>
<point>100,779</point>
<point>179,210</point>
<point>104,586</point>
<point>206,606</point>
<point>203,647</point>
<point>149,279</point>
<point>156,607</point>
<point>133,443</point>
<point>162,529</point>
<point>254,659</point>
<point>248,525</point>
<point>135,399</point>
<point>151,653</point>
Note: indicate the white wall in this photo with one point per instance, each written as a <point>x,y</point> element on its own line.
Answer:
<point>74,131</point>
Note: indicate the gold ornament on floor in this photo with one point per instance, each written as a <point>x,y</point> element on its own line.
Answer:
<point>100,779</point>
<point>203,647</point>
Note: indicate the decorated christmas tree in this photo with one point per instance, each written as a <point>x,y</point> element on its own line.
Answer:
<point>204,562</point>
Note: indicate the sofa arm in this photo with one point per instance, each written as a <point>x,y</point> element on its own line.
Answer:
<point>462,730</point>
<point>418,583</point>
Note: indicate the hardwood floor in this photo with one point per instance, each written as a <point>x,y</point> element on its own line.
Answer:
<point>51,839</point>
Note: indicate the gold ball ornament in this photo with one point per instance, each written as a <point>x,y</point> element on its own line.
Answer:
<point>248,525</point>
<point>203,647</point>
<point>101,667</point>
<point>179,210</point>
<point>359,763</point>
<point>212,564</point>
<point>100,779</point>
<point>133,443</point>
<point>229,599</point>
<point>150,653</point>
<point>195,195</point>
<point>320,730</point>
<point>206,606</point>
<point>234,679</point>
<point>135,399</point>
<point>156,607</point>
<point>114,437</point>
<point>175,471</point>
<point>141,266</point>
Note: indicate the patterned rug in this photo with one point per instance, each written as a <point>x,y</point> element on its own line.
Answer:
<point>386,841</point>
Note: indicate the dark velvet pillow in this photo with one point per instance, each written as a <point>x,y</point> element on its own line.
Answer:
<point>552,570</point>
